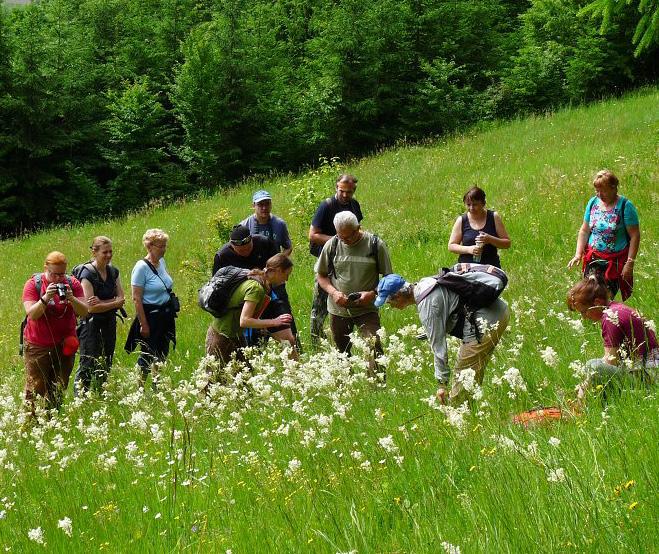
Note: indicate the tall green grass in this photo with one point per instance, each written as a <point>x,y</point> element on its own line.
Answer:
<point>214,474</point>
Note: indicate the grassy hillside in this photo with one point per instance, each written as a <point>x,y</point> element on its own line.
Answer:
<point>220,473</point>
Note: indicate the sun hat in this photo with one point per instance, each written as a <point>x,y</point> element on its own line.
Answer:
<point>388,286</point>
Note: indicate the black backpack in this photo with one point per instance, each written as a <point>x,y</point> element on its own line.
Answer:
<point>36,277</point>
<point>477,285</point>
<point>214,296</point>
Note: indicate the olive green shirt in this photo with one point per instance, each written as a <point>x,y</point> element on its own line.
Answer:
<point>248,291</point>
<point>355,271</point>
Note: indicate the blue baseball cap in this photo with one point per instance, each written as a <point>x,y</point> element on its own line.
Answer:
<point>260,196</point>
<point>388,286</point>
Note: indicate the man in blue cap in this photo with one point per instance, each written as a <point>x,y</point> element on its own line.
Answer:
<point>263,222</point>
<point>438,307</point>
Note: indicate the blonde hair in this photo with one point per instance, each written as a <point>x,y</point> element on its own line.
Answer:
<point>586,292</point>
<point>55,258</point>
<point>98,242</point>
<point>153,235</point>
<point>606,177</point>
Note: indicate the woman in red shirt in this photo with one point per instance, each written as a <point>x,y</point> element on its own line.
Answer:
<point>52,300</point>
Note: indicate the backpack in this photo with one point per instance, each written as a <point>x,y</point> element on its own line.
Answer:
<point>36,277</point>
<point>374,243</point>
<point>477,285</point>
<point>214,296</point>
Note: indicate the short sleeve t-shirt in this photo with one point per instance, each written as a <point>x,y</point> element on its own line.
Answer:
<point>105,290</point>
<point>607,230</point>
<point>59,319</point>
<point>263,249</point>
<point>154,286</point>
<point>355,270</point>
<point>248,291</point>
<point>623,327</point>
<point>323,219</point>
<point>275,229</point>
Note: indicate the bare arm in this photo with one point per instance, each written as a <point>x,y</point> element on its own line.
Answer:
<point>248,321</point>
<point>582,241</point>
<point>287,251</point>
<point>339,298</point>
<point>96,305</point>
<point>36,309</point>
<point>138,295</point>
<point>611,355</point>
<point>316,237</point>
<point>456,238</point>
<point>634,240</point>
<point>503,240</point>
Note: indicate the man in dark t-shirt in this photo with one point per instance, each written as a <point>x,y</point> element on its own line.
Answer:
<point>321,230</point>
<point>252,252</point>
<point>244,250</point>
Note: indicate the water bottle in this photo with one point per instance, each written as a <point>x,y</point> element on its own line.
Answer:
<point>477,257</point>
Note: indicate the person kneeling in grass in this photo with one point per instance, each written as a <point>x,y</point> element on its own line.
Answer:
<point>438,311</point>
<point>630,344</point>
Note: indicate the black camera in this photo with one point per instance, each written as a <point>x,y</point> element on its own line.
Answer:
<point>61,291</point>
<point>354,296</point>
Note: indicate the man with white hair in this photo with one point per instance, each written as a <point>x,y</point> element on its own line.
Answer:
<point>438,309</point>
<point>348,270</point>
<point>321,231</point>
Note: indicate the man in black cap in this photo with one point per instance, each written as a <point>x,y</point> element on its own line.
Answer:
<point>252,252</point>
<point>244,250</point>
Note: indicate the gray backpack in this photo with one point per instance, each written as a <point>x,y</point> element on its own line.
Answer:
<point>214,296</point>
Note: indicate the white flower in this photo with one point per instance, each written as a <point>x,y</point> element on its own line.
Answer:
<point>612,316</point>
<point>157,516</point>
<point>365,465</point>
<point>66,525</point>
<point>549,356</point>
<point>379,414</point>
<point>555,442</point>
<point>450,548</point>
<point>36,535</point>
<point>556,475</point>
<point>650,325</point>
<point>145,509</point>
<point>294,466</point>
<point>577,325</point>
<point>514,379</point>
<point>388,444</point>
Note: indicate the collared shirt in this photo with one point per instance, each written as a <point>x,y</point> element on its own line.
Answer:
<point>355,270</point>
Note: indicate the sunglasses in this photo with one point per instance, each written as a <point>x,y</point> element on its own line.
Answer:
<point>242,242</point>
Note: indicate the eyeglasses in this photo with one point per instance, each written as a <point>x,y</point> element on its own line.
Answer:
<point>242,242</point>
<point>56,274</point>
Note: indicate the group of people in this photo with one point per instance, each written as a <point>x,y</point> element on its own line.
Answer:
<point>353,279</point>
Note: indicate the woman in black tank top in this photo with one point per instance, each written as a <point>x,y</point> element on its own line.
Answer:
<point>478,233</point>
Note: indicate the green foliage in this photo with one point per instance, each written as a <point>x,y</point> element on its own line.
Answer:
<point>646,33</point>
<point>108,104</point>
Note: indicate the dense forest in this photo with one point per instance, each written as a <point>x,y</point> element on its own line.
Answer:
<point>108,104</point>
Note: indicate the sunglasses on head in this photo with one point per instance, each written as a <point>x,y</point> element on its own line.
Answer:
<point>241,242</point>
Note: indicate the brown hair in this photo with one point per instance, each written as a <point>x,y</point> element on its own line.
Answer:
<point>55,258</point>
<point>347,178</point>
<point>98,242</point>
<point>606,177</point>
<point>586,291</point>
<point>474,194</point>
<point>278,261</point>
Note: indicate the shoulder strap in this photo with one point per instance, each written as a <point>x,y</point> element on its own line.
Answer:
<point>36,277</point>
<point>155,271</point>
<point>334,242</point>
<point>375,244</point>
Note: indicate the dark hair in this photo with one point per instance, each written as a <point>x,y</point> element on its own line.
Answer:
<point>347,178</point>
<point>474,194</point>
<point>586,291</point>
